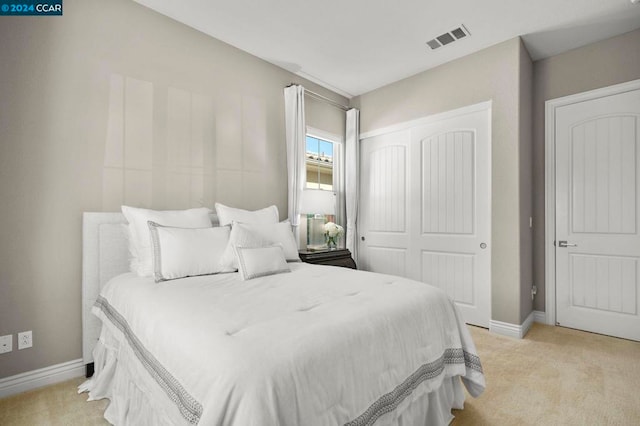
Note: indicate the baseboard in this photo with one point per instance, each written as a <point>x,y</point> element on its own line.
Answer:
<point>42,377</point>
<point>540,316</point>
<point>512,330</point>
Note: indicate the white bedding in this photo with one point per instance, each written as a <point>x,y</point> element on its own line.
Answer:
<point>318,346</point>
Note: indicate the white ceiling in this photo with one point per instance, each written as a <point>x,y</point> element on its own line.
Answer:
<point>354,46</point>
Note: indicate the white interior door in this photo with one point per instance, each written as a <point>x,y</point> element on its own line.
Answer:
<point>425,208</point>
<point>385,203</point>
<point>598,214</point>
<point>453,212</point>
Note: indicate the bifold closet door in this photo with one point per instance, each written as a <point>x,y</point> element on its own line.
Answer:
<point>452,224</point>
<point>385,204</point>
<point>425,208</point>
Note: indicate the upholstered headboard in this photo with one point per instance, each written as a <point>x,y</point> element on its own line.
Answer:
<point>105,254</point>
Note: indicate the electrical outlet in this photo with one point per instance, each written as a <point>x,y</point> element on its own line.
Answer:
<point>25,340</point>
<point>6,343</point>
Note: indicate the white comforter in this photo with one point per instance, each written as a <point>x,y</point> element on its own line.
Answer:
<point>318,346</point>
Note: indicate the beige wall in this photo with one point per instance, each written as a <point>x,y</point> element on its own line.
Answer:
<point>491,74</point>
<point>601,64</point>
<point>526,176</point>
<point>322,116</point>
<point>113,103</point>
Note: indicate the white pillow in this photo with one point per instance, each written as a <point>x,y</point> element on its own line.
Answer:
<point>255,235</point>
<point>228,215</point>
<point>279,233</point>
<point>256,262</point>
<point>187,252</point>
<point>241,235</point>
<point>140,240</point>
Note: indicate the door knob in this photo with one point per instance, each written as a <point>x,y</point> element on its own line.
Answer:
<point>566,244</point>
<point>362,238</point>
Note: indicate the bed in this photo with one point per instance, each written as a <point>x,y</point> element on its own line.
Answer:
<point>318,345</point>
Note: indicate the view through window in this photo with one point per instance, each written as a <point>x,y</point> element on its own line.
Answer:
<point>319,163</point>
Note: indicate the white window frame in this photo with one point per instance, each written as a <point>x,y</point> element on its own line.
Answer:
<point>338,148</point>
<point>338,167</point>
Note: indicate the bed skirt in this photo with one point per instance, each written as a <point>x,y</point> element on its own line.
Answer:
<point>120,378</point>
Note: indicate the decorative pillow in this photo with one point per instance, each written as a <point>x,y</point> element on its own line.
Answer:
<point>187,252</point>
<point>241,235</point>
<point>259,235</point>
<point>279,233</point>
<point>140,240</point>
<point>228,215</point>
<point>256,262</point>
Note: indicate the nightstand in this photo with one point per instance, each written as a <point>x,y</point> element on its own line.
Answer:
<point>337,257</point>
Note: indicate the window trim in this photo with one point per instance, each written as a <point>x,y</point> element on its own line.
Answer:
<point>338,155</point>
<point>338,169</point>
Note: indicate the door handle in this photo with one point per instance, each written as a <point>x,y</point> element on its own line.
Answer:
<point>566,244</point>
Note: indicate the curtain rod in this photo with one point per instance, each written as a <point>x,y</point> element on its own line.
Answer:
<point>323,98</point>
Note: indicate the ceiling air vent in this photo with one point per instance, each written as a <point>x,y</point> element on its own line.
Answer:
<point>450,37</point>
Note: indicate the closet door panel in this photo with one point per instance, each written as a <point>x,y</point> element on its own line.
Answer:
<point>385,162</point>
<point>425,207</point>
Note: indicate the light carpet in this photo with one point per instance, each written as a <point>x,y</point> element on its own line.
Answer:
<point>554,376</point>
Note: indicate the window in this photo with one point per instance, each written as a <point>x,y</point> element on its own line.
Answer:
<point>319,163</point>
<point>324,185</point>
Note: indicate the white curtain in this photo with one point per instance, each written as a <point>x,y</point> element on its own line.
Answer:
<point>338,184</point>
<point>296,130</point>
<point>352,158</point>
